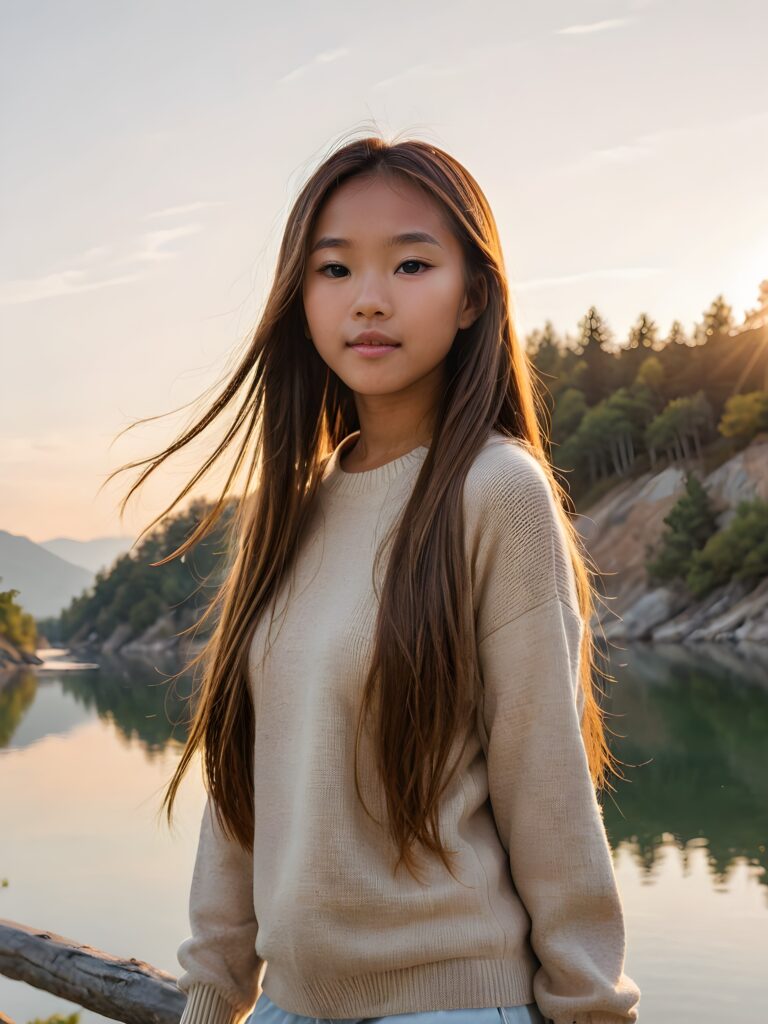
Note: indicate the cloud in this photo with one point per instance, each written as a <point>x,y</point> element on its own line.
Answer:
<point>649,144</point>
<point>629,153</point>
<point>94,253</point>
<point>610,273</point>
<point>326,57</point>
<point>593,26</point>
<point>94,269</point>
<point>174,211</point>
<point>153,243</point>
<point>423,71</point>
<point>64,282</point>
<point>67,445</point>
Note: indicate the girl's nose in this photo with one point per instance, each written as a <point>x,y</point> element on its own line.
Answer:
<point>372,299</point>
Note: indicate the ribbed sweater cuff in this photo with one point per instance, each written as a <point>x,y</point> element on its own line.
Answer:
<point>207,1005</point>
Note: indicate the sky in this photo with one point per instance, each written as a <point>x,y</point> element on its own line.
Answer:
<point>151,152</point>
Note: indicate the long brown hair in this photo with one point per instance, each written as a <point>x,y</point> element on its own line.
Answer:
<point>293,411</point>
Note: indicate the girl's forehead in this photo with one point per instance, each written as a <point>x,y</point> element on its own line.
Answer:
<point>379,206</point>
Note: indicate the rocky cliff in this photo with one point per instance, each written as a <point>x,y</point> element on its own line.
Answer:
<point>617,529</point>
<point>12,657</point>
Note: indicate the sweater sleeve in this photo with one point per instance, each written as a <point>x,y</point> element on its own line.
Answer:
<point>221,966</point>
<point>541,790</point>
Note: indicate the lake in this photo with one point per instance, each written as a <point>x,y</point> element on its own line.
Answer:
<point>85,755</point>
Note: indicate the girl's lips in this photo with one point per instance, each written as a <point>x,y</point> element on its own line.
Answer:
<point>373,337</point>
<point>373,350</point>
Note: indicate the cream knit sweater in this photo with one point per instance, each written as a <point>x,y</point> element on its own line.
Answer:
<point>537,915</point>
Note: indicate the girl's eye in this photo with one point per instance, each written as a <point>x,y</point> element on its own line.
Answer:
<point>329,266</point>
<point>339,266</point>
<point>417,263</point>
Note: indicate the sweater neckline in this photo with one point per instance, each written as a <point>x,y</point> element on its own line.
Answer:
<point>341,481</point>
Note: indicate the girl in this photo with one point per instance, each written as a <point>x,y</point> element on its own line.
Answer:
<point>401,816</point>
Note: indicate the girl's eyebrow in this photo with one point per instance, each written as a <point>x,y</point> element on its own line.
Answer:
<point>407,238</point>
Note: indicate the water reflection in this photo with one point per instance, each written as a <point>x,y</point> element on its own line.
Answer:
<point>695,722</point>
<point>135,695</point>
<point>691,726</point>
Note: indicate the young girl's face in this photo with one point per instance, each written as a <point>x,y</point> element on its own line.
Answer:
<point>360,276</point>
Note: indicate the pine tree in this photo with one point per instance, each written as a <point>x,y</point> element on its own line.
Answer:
<point>677,335</point>
<point>594,336</point>
<point>718,319</point>
<point>691,523</point>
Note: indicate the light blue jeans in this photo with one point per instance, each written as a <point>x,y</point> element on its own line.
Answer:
<point>267,1012</point>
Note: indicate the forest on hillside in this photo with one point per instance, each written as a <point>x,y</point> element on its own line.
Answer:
<point>136,591</point>
<point>615,409</point>
<point>16,626</point>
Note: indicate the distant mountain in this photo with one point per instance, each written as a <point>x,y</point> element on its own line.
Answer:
<point>93,555</point>
<point>46,582</point>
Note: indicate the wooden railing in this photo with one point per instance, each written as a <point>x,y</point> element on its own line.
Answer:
<point>130,991</point>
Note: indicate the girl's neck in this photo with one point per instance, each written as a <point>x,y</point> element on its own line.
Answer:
<point>356,459</point>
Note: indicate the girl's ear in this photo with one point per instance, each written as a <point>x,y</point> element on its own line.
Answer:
<point>475,302</point>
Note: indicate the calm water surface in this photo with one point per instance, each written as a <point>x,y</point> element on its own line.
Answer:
<point>85,755</point>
